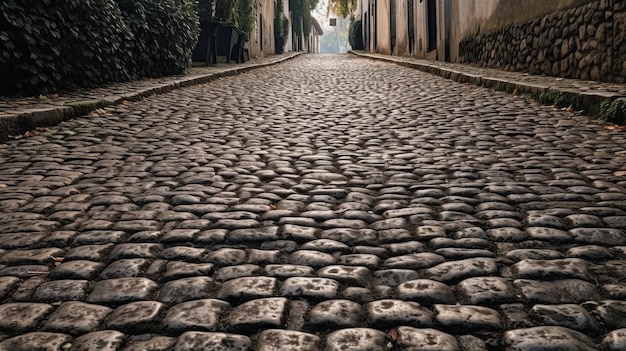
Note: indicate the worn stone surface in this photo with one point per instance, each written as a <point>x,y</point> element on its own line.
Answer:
<point>358,202</point>
<point>547,337</point>
<point>36,341</point>
<point>284,340</point>
<point>414,339</point>
<point>356,339</point>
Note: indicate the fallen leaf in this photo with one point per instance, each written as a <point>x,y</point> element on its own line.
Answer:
<point>126,102</point>
<point>42,97</point>
<point>570,109</point>
<point>57,259</point>
<point>3,185</point>
<point>620,173</point>
<point>615,128</point>
<point>66,346</point>
<point>392,335</point>
<point>272,207</point>
<point>42,129</point>
<point>29,134</point>
<point>515,92</point>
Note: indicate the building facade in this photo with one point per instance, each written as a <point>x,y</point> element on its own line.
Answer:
<point>583,39</point>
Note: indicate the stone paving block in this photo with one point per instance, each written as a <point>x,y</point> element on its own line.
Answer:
<point>227,257</point>
<point>335,314</point>
<point>612,313</point>
<point>568,315</point>
<point>40,341</point>
<point>287,340</point>
<point>19,240</point>
<point>426,292</point>
<point>615,291</point>
<point>152,343</point>
<point>356,339</point>
<point>176,270</point>
<point>186,289</point>
<point>615,340</point>
<point>574,268</point>
<point>414,261</point>
<point>425,339</point>
<point>427,232</point>
<point>103,340</point>
<point>556,292</point>
<point>315,288</point>
<point>589,252</point>
<point>282,271</point>
<point>183,253</point>
<point>548,234</point>
<point>23,316</point>
<point>455,271</point>
<point>468,318</point>
<point>507,234</point>
<point>260,313</point>
<point>79,269</point>
<point>34,256</point>
<point>76,318</point>
<point>24,271</point>
<point>233,272</point>
<point>121,291</point>
<point>351,237</point>
<point>533,254</point>
<point>347,275</point>
<point>370,261</point>
<point>389,313</point>
<point>200,315</point>
<point>599,236</point>
<point>263,256</point>
<point>100,237</point>
<point>254,234</point>
<point>311,258</point>
<point>125,268</point>
<point>61,290</point>
<point>211,236</point>
<point>136,250</point>
<point>394,277</point>
<point>486,291</point>
<point>88,252</point>
<point>193,341</point>
<point>7,285</point>
<point>405,248</point>
<point>248,288</point>
<point>554,338</point>
<point>135,317</point>
<point>326,245</point>
<point>298,233</point>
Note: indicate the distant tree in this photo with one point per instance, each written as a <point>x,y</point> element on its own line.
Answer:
<point>342,8</point>
<point>301,10</point>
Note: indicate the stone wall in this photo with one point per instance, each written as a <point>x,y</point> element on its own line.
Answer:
<point>587,42</point>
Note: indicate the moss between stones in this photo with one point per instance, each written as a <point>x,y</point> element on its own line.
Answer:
<point>613,111</point>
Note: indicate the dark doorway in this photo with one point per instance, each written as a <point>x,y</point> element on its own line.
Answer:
<point>411,24</point>
<point>432,24</point>
<point>374,21</point>
<point>392,23</point>
<point>366,31</point>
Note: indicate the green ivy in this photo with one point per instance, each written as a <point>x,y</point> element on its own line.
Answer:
<point>50,46</point>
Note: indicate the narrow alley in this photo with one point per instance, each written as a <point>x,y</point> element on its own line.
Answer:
<point>329,202</point>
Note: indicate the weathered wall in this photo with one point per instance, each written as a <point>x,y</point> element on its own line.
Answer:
<point>586,42</point>
<point>470,17</point>
<point>382,27</point>
<point>264,30</point>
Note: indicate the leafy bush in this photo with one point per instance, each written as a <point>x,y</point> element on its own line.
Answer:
<point>49,45</point>
<point>174,33</point>
<point>240,12</point>
<point>355,37</point>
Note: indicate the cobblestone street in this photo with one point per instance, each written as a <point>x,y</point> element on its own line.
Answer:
<point>326,203</point>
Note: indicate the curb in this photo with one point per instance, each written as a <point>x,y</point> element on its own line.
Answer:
<point>598,104</point>
<point>22,122</point>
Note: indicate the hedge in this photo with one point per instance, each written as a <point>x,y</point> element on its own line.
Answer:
<point>49,46</point>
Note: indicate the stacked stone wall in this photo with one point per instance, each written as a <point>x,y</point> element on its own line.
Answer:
<point>587,42</point>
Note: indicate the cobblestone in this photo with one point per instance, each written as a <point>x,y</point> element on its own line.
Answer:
<point>330,203</point>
